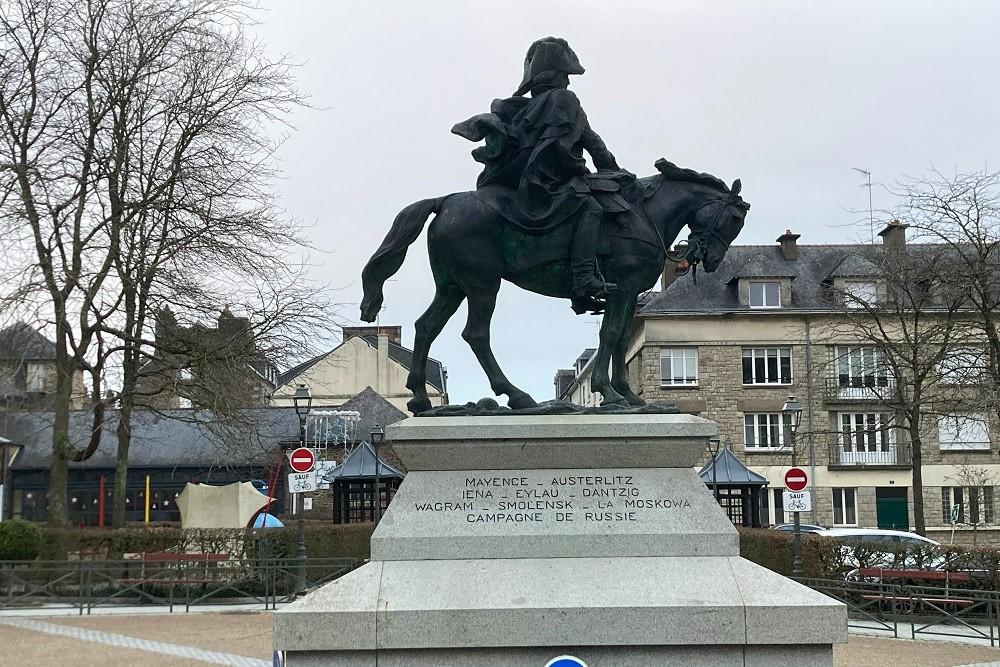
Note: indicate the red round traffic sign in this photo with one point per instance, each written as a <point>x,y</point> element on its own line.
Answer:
<point>302,459</point>
<point>796,479</point>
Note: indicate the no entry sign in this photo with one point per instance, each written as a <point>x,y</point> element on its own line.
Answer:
<point>796,479</point>
<point>301,460</point>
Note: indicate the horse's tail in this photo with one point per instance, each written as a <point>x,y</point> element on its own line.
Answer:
<point>390,255</point>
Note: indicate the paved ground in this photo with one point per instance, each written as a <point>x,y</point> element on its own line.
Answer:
<point>244,640</point>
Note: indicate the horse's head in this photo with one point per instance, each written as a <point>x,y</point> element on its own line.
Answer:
<point>714,226</point>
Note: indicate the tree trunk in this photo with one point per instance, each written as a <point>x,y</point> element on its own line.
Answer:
<point>62,449</point>
<point>919,523</point>
<point>124,433</point>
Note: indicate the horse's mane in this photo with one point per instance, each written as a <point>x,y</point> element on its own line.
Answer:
<point>670,170</point>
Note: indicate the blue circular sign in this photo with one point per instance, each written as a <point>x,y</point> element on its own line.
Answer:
<point>565,661</point>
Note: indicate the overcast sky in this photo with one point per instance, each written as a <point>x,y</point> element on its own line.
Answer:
<point>786,95</point>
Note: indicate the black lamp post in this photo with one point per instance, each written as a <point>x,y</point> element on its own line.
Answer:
<point>713,444</point>
<point>8,454</point>
<point>793,410</point>
<point>302,399</point>
<point>377,436</point>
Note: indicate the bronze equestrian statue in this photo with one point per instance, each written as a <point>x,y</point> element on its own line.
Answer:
<point>541,220</point>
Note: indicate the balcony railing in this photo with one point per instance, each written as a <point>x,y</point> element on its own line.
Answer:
<point>870,455</point>
<point>866,388</point>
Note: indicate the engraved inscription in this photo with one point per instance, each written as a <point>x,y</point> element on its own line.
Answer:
<point>542,497</point>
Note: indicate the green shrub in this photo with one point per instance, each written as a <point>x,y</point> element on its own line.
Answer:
<point>19,540</point>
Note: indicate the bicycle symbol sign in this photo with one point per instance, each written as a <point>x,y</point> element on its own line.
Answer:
<point>796,501</point>
<point>302,482</point>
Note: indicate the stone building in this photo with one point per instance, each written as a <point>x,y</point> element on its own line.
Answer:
<point>735,344</point>
<point>368,357</point>
<point>28,371</point>
<point>206,366</point>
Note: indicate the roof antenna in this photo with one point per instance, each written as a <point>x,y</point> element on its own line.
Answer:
<point>871,212</point>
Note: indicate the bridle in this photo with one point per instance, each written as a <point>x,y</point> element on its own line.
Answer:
<point>696,253</point>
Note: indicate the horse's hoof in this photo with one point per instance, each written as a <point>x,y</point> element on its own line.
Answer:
<point>418,405</point>
<point>520,401</point>
<point>633,400</point>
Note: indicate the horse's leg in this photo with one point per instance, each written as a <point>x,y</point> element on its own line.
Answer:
<point>615,318</point>
<point>446,301</point>
<point>482,302</point>
<point>619,370</point>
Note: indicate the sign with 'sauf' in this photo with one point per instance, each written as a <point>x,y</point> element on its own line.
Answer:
<point>565,661</point>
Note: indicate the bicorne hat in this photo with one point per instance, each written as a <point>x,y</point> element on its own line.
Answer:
<point>549,54</point>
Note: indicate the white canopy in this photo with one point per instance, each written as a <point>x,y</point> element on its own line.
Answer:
<point>230,506</point>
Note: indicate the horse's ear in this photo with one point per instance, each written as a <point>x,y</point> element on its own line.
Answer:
<point>737,186</point>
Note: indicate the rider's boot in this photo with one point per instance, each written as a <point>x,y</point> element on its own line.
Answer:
<point>589,289</point>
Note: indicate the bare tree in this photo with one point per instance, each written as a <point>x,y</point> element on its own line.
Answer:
<point>137,153</point>
<point>976,484</point>
<point>905,315</point>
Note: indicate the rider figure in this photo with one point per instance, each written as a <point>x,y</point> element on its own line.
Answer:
<point>534,148</point>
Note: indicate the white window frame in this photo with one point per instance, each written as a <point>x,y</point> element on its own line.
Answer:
<point>842,493</point>
<point>952,425</point>
<point>860,293</point>
<point>764,352</point>
<point>963,366</point>
<point>764,302</point>
<point>860,372</point>
<point>34,376</point>
<point>771,422</point>
<point>770,504</point>
<point>686,356</point>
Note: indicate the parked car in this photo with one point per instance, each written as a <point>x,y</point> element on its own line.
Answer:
<point>878,548</point>
<point>803,527</point>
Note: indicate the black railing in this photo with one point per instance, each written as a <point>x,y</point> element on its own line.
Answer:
<point>84,585</point>
<point>864,388</point>
<point>868,451</point>
<point>916,610</point>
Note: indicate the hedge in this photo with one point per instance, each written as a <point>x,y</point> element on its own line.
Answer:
<point>19,540</point>
<point>322,541</point>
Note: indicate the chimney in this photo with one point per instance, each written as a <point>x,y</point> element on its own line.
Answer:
<point>383,363</point>
<point>894,235</point>
<point>789,248</point>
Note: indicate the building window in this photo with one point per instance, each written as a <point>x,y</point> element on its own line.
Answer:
<point>679,366</point>
<point>35,378</point>
<point>866,432</point>
<point>974,504</point>
<point>861,371</point>
<point>859,293</point>
<point>968,431</point>
<point>963,366</point>
<point>845,510</point>
<point>767,365</point>
<point>765,430</point>
<point>765,295</point>
<point>766,517</point>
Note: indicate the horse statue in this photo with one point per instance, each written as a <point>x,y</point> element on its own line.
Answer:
<point>472,249</point>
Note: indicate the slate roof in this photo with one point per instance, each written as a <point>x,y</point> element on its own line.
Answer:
<point>436,376</point>
<point>23,342</point>
<point>853,266</point>
<point>717,292</point>
<point>182,438</point>
<point>360,464</point>
<point>730,471</point>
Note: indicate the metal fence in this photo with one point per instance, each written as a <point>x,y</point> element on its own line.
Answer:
<point>916,610</point>
<point>179,585</point>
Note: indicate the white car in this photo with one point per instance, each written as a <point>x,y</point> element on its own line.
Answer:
<point>875,547</point>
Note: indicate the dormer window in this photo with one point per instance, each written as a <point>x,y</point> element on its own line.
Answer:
<point>860,293</point>
<point>765,294</point>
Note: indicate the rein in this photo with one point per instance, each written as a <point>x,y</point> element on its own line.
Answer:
<point>729,200</point>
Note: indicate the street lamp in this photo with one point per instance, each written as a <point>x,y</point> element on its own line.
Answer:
<point>377,436</point>
<point>792,409</point>
<point>8,453</point>
<point>302,400</point>
<point>713,444</point>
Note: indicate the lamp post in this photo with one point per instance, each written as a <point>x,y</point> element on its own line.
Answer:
<point>793,410</point>
<point>302,399</point>
<point>8,453</point>
<point>713,444</point>
<point>377,436</point>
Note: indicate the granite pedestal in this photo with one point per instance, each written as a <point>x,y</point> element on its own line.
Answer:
<point>513,540</point>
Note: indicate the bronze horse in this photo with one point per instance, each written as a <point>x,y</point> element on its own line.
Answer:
<point>470,253</point>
